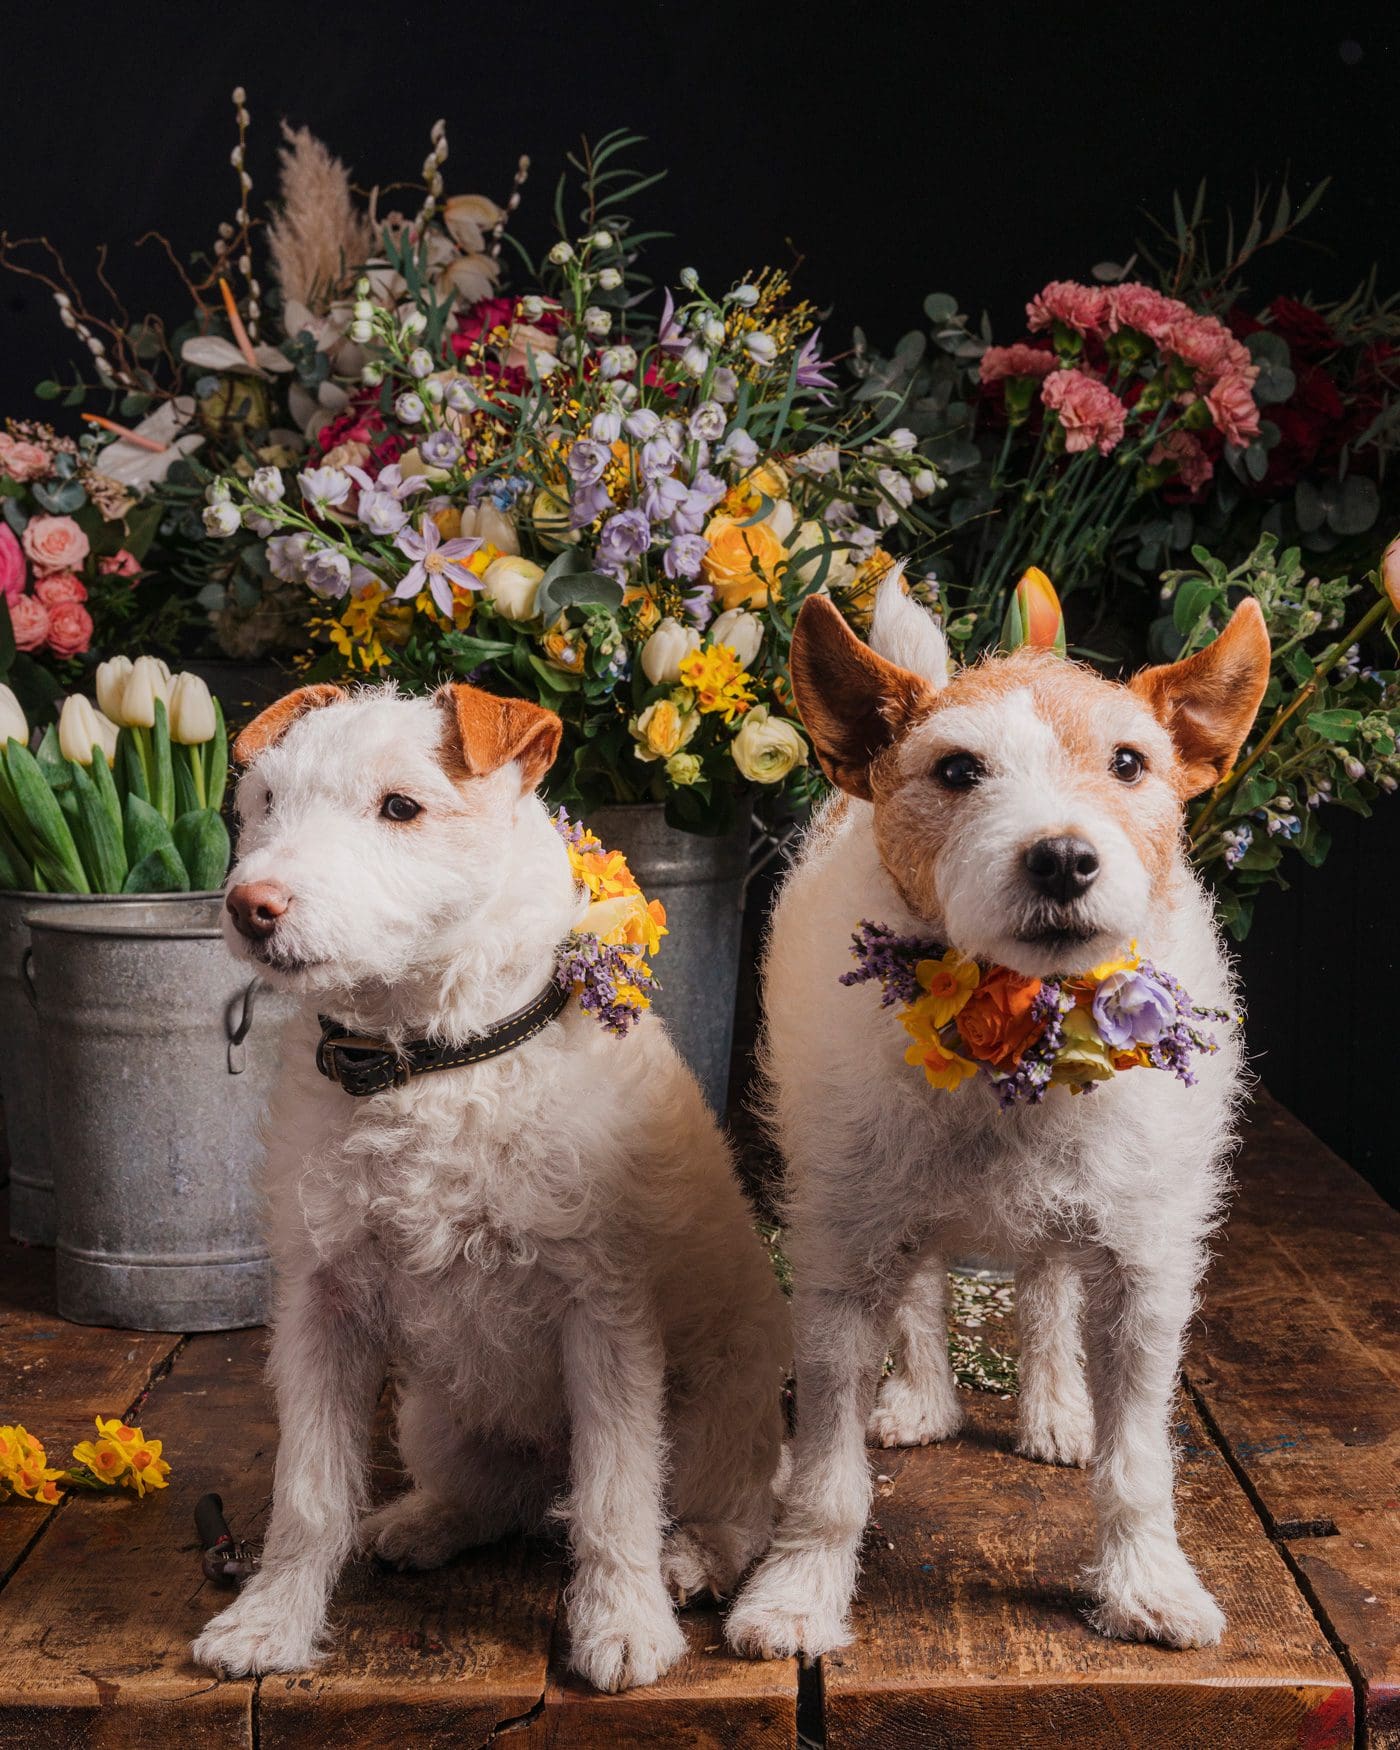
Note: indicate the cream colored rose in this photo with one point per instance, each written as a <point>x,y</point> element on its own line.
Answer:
<point>665,651</point>
<point>817,544</point>
<point>741,631</point>
<point>513,583</point>
<point>491,525</point>
<point>663,729</point>
<point>767,748</point>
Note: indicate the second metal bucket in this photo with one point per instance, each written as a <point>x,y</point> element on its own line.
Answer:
<point>159,1053</point>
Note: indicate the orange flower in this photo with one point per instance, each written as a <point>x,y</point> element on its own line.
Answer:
<point>996,1024</point>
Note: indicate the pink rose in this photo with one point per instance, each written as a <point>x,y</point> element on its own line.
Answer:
<point>60,586</point>
<point>1141,307</point>
<point>70,629</point>
<point>1020,360</point>
<point>119,564</point>
<point>22,460</point>
<point>1233,408</point>
<point>1193,466</point>
<point>12,566</point>
<point>1090,414</point>
<point>55,543</point>
<point>30,620</point>
<point>1082,308</point>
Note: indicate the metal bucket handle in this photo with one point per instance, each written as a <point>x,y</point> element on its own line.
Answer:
<point>238,1032</point>
<point>26,967</point>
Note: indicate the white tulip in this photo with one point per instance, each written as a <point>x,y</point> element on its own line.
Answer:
<point>513,583</point>
<point>148,681</point>
<point>78,730</point>
<point>112,677</point>
<point>191,711</point>
<point>741,631</point>
<point>109,733</point>
<point>665,651</point>
<point>13,724</point>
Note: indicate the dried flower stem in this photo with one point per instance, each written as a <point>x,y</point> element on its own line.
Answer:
<point>522,172</point>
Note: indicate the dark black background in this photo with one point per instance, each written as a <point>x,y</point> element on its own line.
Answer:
<point>887,150</point>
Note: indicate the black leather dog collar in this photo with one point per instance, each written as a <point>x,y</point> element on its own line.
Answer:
<point>369,1066</point>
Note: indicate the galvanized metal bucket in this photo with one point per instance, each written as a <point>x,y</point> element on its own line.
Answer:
<point>160,1053</point>
<point>700,881</point>
<point>21,1061</point>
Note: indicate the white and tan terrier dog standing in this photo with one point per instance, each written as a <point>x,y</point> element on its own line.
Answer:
<point>550,1247</point>
<point>1029,814</point>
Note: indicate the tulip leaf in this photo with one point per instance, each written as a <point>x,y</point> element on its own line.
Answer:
<point>56,853</point>
<point>162,767</point>
<point>186,797</point>
<point>97,837</point>
<point>106,788</point>
<point>160,871</point>
<point>215,754</point>
<point>131,769</point>
<point>144,830</point>
<point>201,838</point>
<point>15,874</point>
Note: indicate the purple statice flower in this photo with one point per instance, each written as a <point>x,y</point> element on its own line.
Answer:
<point>811,368</point>
<point>624,537</point>
<point>662,497</point>
<point>437,563</point>
<point>588,504</point>
<point>684,555</point>
<point>587,460</point>
<point>597,972</point>
<point>1132,1009</point>
<point>891,961</point>
<point>441,448</point>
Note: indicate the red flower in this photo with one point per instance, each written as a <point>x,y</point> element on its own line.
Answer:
<point>1307,331</point>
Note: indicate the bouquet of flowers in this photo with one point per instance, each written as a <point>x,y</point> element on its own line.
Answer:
<point>615,514</point>
<point>72,537</point>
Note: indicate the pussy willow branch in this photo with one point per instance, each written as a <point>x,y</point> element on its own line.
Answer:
<point>1328,661</point>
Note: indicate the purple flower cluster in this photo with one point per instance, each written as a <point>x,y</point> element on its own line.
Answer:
<point>1184,1038</point>
<point>598,972</point>
<point>891,960</point>
<point>1028,1082</point>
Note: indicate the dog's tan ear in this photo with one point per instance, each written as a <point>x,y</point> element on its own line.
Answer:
<point>1208,702</point>
<point>483,731</point>
<point>269,726</point>
<point>853,703</point>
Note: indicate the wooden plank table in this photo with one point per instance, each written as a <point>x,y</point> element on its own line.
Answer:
<point>970,1627</point>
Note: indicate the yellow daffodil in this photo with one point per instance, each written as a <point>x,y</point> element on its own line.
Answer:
<point>948,982</point>
<point>148,1469</point>
<point>943,1068</point>
<point>604,873</point>
<point>719,681</point>
<point>24,1469</point>
<point>628,919</point>
<point>107,1461</point>
<point>1128,962</point>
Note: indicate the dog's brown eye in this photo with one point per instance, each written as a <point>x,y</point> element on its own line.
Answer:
<point>398,807</point>
<point>958,771</point>
<point>1127,765</point>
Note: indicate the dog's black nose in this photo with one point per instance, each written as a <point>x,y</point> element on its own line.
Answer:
<point>1062,868</point>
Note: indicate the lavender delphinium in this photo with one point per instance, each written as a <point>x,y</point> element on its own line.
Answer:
<point>889,959</point>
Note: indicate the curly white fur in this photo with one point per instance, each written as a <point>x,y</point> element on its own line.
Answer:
<point>1104,1199</point>
<point>550,1249</point>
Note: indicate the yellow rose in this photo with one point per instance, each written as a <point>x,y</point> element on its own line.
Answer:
<point>1083,1057</point>
<point>743,564</point>
<point>663,729</point>
<point>767,480</point>
<point>513,583</point>
<point>767,748</point>
<point>629,921</point>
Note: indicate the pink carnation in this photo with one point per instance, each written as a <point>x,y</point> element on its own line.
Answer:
<point>1015,361</point>
<point>1209,348</point>
<point>22,460</point>
<point>70,629</point>
<point>60,586</point>
<point>1082,308</point>
<point>1233,408</point>
<point>119,564</point>
<point>55,543</point>
<point>12,566</point>
<point>30,620</point>
<point>1149,311</point>
<point>1193,466</point>
<point>1089,413</point>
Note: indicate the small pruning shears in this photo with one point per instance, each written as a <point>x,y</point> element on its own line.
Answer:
<point>223,1557</point>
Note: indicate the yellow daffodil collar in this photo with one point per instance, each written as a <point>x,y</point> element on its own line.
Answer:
<point>605,958</point>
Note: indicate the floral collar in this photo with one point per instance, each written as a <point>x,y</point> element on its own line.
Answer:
<point>1025,1035</point>
<point>604,960</point>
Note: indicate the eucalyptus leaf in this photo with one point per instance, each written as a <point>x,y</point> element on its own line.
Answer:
<point>1356,508</point>
<point>61,500</point>
<point>577,590</point>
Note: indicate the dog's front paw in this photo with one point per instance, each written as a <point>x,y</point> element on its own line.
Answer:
<point>911,1415</point>
<point>1155,1596</point>
<point>1056,1434</point>
<point>260,1631</point>
<point>627,1643</point>
<point>416,1531</point>
<point>699,1560</point>
<point>793,1606</point>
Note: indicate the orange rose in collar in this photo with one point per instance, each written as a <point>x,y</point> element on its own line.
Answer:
<point>996,1024</point>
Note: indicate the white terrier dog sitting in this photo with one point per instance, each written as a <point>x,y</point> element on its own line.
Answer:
<point>548,1246</point>
<point>1028,813</point>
